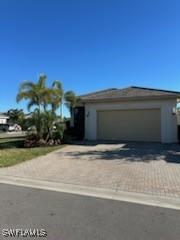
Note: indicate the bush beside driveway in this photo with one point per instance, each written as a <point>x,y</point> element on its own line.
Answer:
<point>135,167</point>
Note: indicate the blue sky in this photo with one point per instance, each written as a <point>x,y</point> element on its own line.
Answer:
<point>89,45</point>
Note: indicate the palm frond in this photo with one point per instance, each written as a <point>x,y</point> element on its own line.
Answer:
<point>31,104</point>
<point>42,81</point>
<point>57,84</point>
<point>26,85</point>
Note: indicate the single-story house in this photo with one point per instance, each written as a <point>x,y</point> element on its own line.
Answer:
<point>130,114</point>
<point>3,118</point>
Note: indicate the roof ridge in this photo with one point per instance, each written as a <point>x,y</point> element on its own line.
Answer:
<point>129,92</point>
<point>155,89</point>
<point>3,113</point>
<point>100,91</point>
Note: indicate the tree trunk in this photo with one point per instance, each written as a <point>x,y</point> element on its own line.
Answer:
<point>61,110</point>
<point>72,117</point>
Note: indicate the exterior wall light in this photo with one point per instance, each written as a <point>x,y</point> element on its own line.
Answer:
<point>174,111</point>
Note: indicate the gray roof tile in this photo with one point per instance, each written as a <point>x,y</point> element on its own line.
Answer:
<point>128,93</point>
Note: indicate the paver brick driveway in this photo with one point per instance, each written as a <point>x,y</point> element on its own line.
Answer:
<point>136,167</point>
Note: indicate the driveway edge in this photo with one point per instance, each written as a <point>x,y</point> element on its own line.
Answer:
<point>139,198</point>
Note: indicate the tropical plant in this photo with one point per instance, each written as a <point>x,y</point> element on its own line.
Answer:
<point>36,124</point>
<point>45,126</point>
<point>60,128</point>
<point>48,124</point>
<point>15,115</point>
<point>39,95</point>
<point>47,100</point>
<point>56,95</point>
<point>71,101</point>
<point>35,93</point>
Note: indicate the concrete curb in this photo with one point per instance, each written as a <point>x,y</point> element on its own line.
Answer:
<point>138,198</point>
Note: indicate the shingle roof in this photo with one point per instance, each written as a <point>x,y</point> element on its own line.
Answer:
<point>3,116</point>
<point>128,94</point>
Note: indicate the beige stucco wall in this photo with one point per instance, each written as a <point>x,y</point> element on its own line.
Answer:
<point>168,120</point>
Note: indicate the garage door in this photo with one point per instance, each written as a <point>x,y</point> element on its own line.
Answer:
<point>130,125</point>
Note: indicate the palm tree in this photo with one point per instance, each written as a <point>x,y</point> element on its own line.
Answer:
<point>71,102</point>
<point>36,123</point>
<point>38,94</point>
<point>49,120</point>
<point>34,92</point>
<point>56,96</point>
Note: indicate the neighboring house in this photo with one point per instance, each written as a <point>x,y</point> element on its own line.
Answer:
<point>131,114</point>
<point>3,118</point>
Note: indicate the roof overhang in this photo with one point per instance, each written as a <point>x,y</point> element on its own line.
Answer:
<point>4,117</point>
<point>126,99</point>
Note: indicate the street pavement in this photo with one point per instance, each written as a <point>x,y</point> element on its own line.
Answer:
<point>68,216</point>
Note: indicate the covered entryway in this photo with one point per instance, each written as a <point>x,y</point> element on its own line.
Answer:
<point>130,125</point>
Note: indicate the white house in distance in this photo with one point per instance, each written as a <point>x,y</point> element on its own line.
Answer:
<point>131,114</point>
<point>3,118</point>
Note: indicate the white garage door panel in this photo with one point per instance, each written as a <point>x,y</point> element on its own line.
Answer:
<point>131,125</point>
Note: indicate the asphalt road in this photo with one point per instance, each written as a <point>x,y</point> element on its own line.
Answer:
<point>73,217</point>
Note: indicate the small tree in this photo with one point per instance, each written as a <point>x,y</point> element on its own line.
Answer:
<point>71,102</point>
<point>46,100</point>
<point>34,93</point>
<point>16,115</point>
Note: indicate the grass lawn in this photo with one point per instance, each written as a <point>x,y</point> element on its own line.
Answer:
<point>12,151</point>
